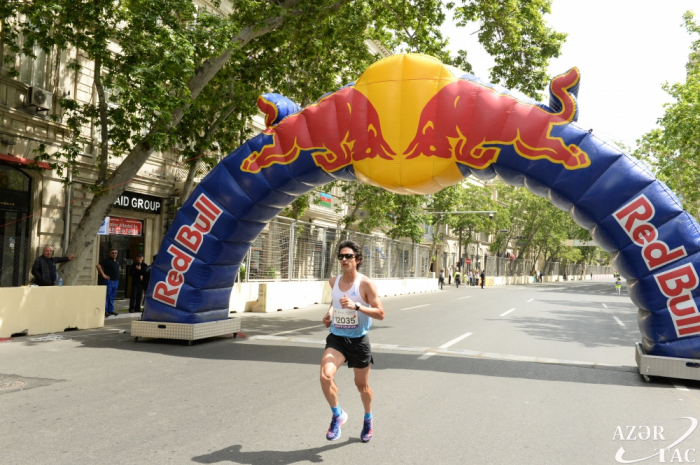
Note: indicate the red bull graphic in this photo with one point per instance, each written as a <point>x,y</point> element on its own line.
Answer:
<point>334,143</point>
<point>470,126</point>
<point>413,125</point>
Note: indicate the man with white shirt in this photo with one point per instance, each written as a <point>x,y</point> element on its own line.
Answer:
<point>355,303</point>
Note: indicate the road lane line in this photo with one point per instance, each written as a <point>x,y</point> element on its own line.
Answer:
<point>460,298</point>
<point>531,300</point>
<point>604,306</point>
<point>619,322</point>
<point>454,341</point>
<point>680,387</point>
<point>426,356</point>
<point>294,330</point>
<point>504,314</point>
<point>417,306</point>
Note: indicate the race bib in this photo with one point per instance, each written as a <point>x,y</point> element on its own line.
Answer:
<point>345,318</point>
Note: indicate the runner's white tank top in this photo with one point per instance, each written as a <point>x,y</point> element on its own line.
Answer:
<point>363,322</point>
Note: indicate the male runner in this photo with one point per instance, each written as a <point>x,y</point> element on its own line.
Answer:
<point>355,303</point>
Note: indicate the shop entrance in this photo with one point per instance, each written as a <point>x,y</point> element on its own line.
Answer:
<point>128,245</point>
<point>15,188</point>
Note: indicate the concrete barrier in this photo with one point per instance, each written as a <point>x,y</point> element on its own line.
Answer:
<point>41,310</point>
<point>278,296</point>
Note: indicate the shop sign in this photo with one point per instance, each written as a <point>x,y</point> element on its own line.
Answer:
<point>120,227</point>
<point>139,202</point>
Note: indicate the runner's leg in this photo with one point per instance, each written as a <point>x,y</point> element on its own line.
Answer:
<point>362,383</point>
<point>332,359</point>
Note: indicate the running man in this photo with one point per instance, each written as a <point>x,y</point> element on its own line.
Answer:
<point>355,303</point>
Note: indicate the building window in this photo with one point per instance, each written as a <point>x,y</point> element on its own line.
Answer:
<point>32,71</point>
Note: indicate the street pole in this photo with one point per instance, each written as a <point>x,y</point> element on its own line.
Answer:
<point>459,257</point>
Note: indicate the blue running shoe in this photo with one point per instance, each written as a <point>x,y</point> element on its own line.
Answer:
<point>367,431</point>
<point>336,422</point>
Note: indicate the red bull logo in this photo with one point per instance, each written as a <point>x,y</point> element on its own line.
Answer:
<point>408,121</point>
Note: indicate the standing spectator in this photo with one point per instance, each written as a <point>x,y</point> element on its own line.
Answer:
<point>138,279</point>
<point>541,276</point>
<point>109,270</point>
<point>483,278</point>
<point>44,267</point>
<point>147,279</point>
<point>449,275</point>
<point>441,279</point>
<point>618,286</point>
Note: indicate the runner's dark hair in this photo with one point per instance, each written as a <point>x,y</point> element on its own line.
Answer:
<point>355,248</point>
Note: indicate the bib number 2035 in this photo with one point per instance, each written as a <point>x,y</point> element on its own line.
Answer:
<point>345,318</point>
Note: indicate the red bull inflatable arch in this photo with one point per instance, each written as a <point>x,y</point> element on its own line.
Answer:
<point>411,124</point>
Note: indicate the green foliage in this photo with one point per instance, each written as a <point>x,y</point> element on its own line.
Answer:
<point>673,149</point>
<point>515,34</point>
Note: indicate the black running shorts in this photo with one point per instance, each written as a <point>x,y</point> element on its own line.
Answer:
<point>356,350</point>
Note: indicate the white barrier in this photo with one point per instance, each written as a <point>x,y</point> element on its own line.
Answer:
<point>277,296</point>
<point>41,310</point>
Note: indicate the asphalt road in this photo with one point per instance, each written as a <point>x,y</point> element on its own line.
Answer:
<point>536,374</point>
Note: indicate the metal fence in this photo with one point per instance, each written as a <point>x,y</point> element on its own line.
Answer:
<point>498,266</point>
<point>288,250</point>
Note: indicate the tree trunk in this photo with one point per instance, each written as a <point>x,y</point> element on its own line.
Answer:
<point>204,142</point>
<point>433,248</point>
<point>84,236</point>
<point>104,128</point>
<point>189,182</point>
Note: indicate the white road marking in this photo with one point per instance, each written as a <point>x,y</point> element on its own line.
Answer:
<point>531,300</point>
<point>604,306</point>
<point>294,330</point>
<point>455,341</point>
<point>417,306</point>
<point>426,356</point>
<point>619,322</point>
<point>460,298</point>
<point>504,314</point>
<point>680,387</point>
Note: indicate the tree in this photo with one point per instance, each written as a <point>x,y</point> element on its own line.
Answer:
<point>673,149</point>
<point>162,54</point>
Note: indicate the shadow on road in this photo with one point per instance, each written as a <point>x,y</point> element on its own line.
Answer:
<point>590,329</point>
<point>236,455</point>
<point>242,350</point>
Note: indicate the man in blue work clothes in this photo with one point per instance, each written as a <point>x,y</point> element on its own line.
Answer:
<point>109,270</point>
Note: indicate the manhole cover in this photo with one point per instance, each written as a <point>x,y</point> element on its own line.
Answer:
<point>11,384</point>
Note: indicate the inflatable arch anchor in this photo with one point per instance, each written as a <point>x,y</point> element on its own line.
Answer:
<point>413,125</point>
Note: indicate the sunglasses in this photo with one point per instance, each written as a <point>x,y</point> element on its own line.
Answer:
<point>346,256</point>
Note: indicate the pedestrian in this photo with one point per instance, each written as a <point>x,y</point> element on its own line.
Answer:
<point>618,286</point>
<point>44,267</point>
<point>449,275</point>
<point>483,278</point>
<point>355,303</point>
<point>441,279</point>
<point>147,279</point>
<point>541,276</point>
<point>138,280</point>
<point>469,278</point>
<point>458,277</point>
<point>109,270</point>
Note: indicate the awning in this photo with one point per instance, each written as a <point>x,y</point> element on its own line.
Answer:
<point>22,161</point>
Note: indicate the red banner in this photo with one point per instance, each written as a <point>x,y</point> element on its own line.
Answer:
<point>125,227</point>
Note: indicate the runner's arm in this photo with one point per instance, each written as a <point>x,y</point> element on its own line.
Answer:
<point>327,317</point>
<point>370,295</point>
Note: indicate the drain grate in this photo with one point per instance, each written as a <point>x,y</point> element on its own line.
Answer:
<point>11,384</point>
